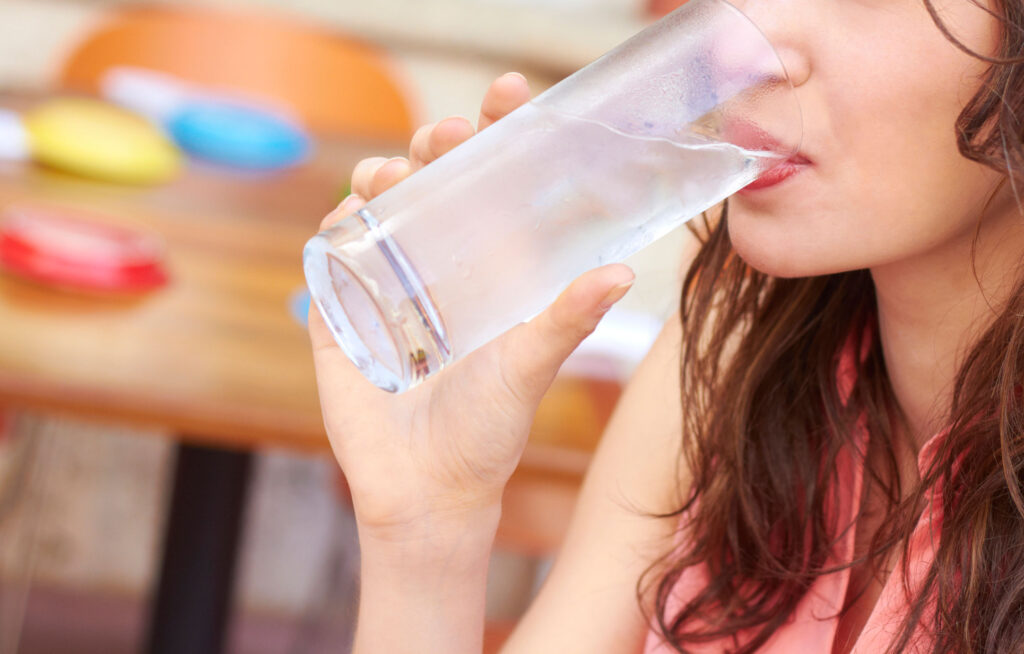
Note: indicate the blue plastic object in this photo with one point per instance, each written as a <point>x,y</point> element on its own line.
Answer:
<point>298,304</point>
<point>238,136</point>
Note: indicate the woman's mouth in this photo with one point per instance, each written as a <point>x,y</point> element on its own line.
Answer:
<point>753,137</point>
<point>780,173</point>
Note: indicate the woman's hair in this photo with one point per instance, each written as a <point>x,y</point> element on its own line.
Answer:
<point>765,422</point>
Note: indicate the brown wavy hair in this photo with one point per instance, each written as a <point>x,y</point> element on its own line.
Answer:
<point>764,423</point>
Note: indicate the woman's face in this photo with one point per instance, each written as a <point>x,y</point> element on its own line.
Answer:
<point>880,88</point>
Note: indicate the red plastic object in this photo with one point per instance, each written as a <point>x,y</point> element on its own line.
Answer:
<point>659,8</point>
<point>71,250</point>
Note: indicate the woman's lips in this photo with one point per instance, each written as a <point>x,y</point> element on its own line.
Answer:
<point>780,173</point>
<point>752,137</point>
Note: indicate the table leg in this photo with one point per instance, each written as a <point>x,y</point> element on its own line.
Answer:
<point>192,599</point>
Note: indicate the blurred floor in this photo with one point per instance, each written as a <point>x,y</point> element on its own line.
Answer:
<point>95,524</point>
<point>85,533</point>
<point>61,621</point>
<point>67,621</point>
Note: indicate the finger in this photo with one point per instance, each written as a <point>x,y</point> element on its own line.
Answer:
<point>363,174</point>
<point>432,141</point>
<point>419,148</point>
<point>319,335</point>
<point>505,94</point>
<point>333,367</point>
<point>389,174</point>
<point>348,206</point>
<point>533,352</point>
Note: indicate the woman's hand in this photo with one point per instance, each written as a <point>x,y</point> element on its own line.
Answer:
<point>442,452</point>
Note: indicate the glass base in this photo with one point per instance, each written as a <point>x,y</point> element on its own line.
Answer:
<point>375,304</point>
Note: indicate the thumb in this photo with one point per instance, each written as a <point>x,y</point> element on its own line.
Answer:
<point>534,351</point>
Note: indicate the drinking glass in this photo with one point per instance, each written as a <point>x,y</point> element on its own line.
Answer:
<point>658,130</point>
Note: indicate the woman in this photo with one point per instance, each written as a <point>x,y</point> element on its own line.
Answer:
<point>831,433</point>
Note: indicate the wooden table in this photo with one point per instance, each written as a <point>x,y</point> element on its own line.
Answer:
<point>216,358</point>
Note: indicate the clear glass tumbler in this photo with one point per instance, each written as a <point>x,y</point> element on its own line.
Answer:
<point>663,127</point>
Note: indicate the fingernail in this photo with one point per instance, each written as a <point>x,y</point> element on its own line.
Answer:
<point>615,295</point>
<point>349,203</point>
<point>519,75</point>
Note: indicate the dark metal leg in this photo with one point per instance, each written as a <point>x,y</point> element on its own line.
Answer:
<point>192,599</point>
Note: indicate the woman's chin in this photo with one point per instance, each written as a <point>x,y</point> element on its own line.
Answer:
<point>789,260</point>
<point>776,268</point>
<point>777,260</point>
<point>792,245</point>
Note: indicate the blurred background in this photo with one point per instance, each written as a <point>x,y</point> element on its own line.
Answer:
<point>165,483</point>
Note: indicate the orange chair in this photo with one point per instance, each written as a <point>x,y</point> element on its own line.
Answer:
<point>335,84</point>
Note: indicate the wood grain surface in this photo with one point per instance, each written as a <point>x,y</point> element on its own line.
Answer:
<point>214,356</point>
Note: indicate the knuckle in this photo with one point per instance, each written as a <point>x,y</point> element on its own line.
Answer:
<point>458,129</point>
<point>566,323</point>
<point>436,143</point>
<point>422,130</point>
<point>364,172</point>
<point>368,164</point>
<point>388,169</point>
<point>421,135</point>
<point>514,379</point>
<point>574,329</point>
<point>386,175</point>
<point>419,147</point>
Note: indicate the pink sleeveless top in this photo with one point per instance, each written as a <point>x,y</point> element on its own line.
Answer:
<point>812,627</point>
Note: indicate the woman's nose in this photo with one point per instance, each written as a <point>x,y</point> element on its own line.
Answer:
<point>779,21</point>
<point>796,63</point>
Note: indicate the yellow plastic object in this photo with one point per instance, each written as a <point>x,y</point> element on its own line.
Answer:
<point>97,140</point>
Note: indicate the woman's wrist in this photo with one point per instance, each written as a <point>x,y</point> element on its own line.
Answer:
<point>423,589</point>
<point>411,519</point>
<point>431,532</point>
